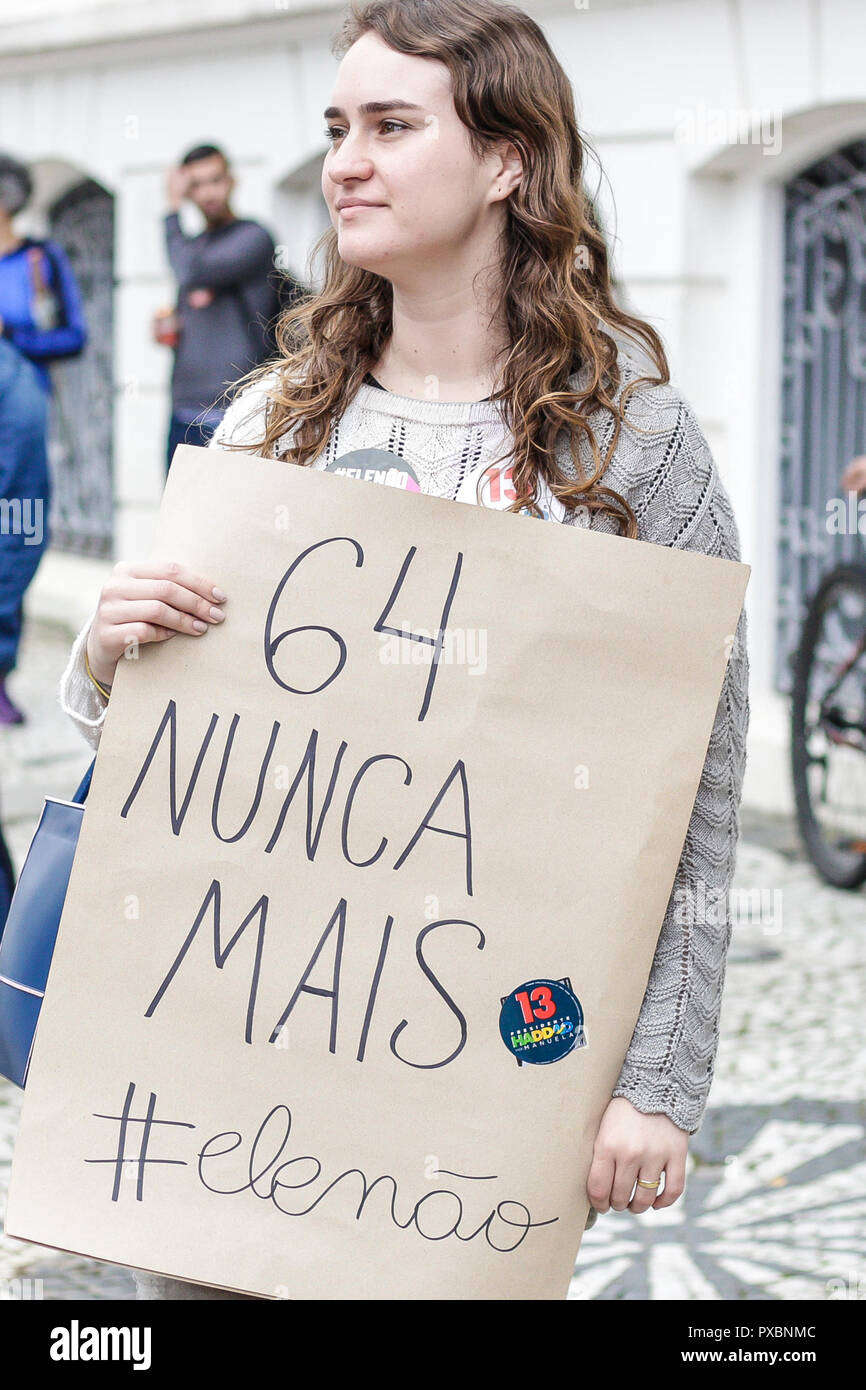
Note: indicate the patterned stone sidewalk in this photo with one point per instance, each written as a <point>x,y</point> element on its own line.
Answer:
<point>775,1200</point>
<point>775,1203</point>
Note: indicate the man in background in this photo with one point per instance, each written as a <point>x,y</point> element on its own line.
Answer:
<point>228,296</point>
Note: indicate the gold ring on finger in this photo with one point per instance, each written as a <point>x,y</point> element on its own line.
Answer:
<point>642,1182</point>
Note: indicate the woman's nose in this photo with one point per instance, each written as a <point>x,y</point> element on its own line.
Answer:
<point>348,161</point>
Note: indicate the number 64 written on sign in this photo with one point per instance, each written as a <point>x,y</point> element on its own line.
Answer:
<point>272,643</point>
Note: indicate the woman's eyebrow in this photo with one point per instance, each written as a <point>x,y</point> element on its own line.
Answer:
<point>374,108</point>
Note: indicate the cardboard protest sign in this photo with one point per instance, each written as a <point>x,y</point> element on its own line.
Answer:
<point>367,892</point>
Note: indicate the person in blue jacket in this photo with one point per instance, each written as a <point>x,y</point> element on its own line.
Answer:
<point>41,319</point>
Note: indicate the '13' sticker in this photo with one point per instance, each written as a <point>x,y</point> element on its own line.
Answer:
<point>542,1021</point>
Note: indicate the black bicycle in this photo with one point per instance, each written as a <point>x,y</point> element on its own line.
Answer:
<point>828,728</point>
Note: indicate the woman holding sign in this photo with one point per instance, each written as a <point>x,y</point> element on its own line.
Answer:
<point>467,328</point>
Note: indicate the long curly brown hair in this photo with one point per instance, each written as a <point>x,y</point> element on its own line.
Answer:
<point>556,297</point>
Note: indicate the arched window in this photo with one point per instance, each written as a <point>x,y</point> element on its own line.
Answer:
<point>80,436</point>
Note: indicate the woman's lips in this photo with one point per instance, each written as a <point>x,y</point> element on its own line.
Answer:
<point>358,207</point>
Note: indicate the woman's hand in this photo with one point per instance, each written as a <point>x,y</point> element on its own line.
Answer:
<point>200,299</point>
<point>148,601</point>
<point>630,1145</point>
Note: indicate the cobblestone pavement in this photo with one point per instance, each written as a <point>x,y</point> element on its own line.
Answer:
<point>775,1201</point>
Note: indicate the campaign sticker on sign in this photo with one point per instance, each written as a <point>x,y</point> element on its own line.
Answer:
<point>376,466</point>
<point>542,1021</point>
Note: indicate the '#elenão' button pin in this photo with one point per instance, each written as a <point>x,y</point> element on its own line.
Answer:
<point>542,1021</point>
<point>376,466</point>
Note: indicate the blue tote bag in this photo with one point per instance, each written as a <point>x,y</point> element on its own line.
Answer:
<point>27,944</point>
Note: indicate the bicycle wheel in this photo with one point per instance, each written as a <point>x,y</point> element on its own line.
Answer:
<point>828,728</point>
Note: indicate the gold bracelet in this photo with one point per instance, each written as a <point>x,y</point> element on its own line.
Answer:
<point>101,688</point>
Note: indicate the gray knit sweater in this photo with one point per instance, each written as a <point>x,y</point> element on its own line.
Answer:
<point>665,469</point>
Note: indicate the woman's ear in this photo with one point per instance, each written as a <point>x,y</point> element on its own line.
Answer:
<point>511,170</point>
